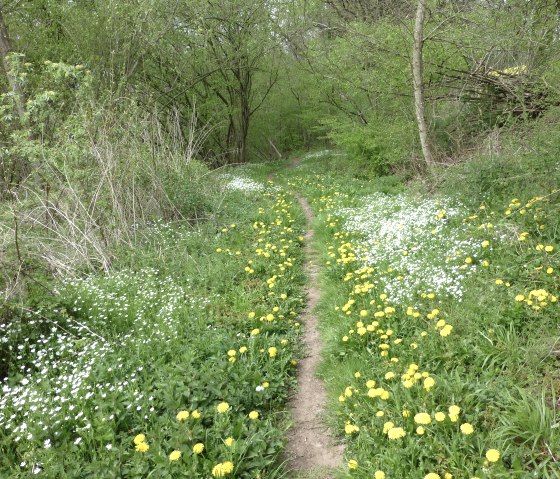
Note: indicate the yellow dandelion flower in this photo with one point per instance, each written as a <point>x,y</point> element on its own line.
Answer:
<point>222,469</point>
<point>446,330</point>
<point>467,428</point>
<point>223,407</point>
<point>439,416</point>
<point>396,433</point>
<point>454,410</point>
<point>182,415</point>
<point>139,438</point>
<point>429,383</point>
<point>387,426</point>
<point>253,415</point>
<point>352,464</point>
<point>422,418</point>
<point>351,428</point>
<point>142,447</point>
<point>198,448</point>
<point>493,455</point>
<point>175,456</point>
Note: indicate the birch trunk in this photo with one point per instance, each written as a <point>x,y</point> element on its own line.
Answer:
<point>417,73</point>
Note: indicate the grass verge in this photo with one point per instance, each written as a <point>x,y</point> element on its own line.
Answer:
<point>440,317</point>
<point>176,364</point>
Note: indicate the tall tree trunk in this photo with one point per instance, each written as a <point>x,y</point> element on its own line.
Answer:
<point>244,118</point>
<point>418,73</point>
<point>244,80</point>
<point>5,48</point>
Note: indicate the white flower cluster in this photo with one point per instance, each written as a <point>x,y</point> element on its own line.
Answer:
<point>63,384</point>
<point>417,246</point>
<point>317,154</point>
<point>241,183</point>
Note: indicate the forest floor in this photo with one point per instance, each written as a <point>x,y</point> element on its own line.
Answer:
<point>325,323</point>
<point>311,451</point>
<point>428,306</point>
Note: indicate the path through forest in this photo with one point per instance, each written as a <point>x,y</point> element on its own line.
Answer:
<point>311,450</point>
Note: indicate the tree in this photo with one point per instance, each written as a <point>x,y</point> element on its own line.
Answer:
<point>5,49</point>
<point>222,55</point>
<point>418,81</point>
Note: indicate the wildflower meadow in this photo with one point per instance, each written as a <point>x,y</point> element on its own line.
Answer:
<point>176,365</point>
<point>438,317</point>
<point>437,313</point>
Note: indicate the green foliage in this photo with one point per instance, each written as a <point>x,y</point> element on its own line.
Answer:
<point>497,363</point>
<point>82,175</point>
<point>109,356</point>
<point>379,148</point>
<point>519,159</point>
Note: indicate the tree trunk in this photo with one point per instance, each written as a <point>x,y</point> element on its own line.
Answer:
<point>275,149</point>
<point>5,48</point>
<point>417,73</point>
<point>244,79</point>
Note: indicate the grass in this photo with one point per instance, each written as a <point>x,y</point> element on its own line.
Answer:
<point>197,315</point>
<point>494,361</point>
<point>449,374</point>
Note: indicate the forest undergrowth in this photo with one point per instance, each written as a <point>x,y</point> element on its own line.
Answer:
<point>440,322</point>
<point>176,363</point>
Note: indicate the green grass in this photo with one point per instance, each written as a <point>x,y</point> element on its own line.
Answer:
<point>497,364</point>
<point>172,329</point>
<point>129,350</point>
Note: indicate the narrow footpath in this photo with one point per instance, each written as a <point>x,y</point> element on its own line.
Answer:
<point>311,451</point>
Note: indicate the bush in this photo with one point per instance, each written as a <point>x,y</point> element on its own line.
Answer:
<point>522,160</point>
<point>381,146</point>
<point>96,170</point>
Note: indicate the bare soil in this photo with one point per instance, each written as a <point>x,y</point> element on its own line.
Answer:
<point>311,451</point>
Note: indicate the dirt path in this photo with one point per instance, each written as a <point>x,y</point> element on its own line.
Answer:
<point>311,451</point>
